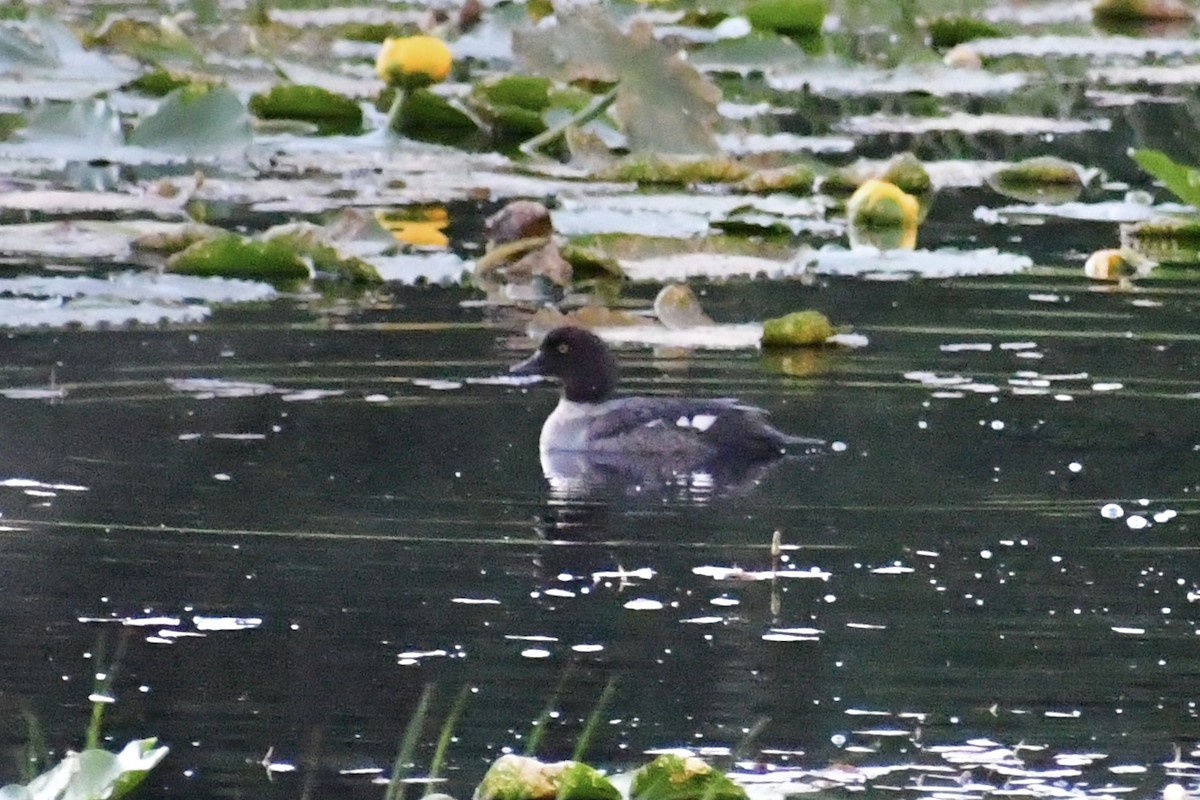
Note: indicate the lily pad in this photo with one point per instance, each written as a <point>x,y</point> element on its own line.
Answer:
<point>160,82</point>
<point>1169,240</point>
<point>514,777</point>
<point>94,773</point>
<point>676,777</point>
<point>794,179</point>
<point>198,122</point>
<point>675,170</point>
<point>332,113</point>
<point>312,243</point>
<point>798,329</point>
<point>424,114</point>
<point>1044,179</point>
<point>234,256</point>
<point>51,63</point>
<point>946,32</point>
<point>792,17</point>
<point>1141,11</point>
<point>143,39</point>
<point>663,104</point>
<point>82,130</point>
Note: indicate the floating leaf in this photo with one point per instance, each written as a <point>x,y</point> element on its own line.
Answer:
<point>795,179</point>
<point>663,104</point>
<point>92,774</point>
<point>51,63</point>
<point>676,307</point>
<point>332,113</point>
<point>675,777</point>
<point>1183,181</point>
<point>514,104</point>
<point>425,114</point>
<point>312,243</point>
<point>674,170</point>
<point>144,40</point>
<point>18,50</point>
<point>1141,11</point>
<point>798,329</point>
<point>1166,240</point>
<point>196,121</point>
<point>906,171</point>
<point>233,256</point>
<point>1041,179</point>
<point>946,32</point>
<point>793,17</point>
<point>524,91</point>
<point>83,130</point>
<point>160,82</point>
<point>514,777</point>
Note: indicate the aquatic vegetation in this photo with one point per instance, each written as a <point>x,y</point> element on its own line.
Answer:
<point>794,17</point>
<point>797,329</point>
<point>513,777</point>
<point>332,113</point>
<point>675,777</point>
<point>413,62</point>
<point>92,774</point>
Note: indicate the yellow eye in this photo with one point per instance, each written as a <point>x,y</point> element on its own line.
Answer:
<point>563,348</point>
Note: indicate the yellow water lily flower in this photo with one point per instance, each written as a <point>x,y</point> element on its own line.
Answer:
<point>421,227</point>
<point>411,62</point>
<point>882,203</point>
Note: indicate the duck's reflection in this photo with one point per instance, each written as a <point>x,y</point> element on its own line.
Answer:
<point>583,475</point>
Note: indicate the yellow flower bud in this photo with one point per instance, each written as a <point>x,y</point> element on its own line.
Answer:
<point>881,203</point>
<point>411,62</point>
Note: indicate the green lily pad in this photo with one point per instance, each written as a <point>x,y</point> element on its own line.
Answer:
<point>793,17</point>
<point>1041,179</point>
<point>143,39</point>
<point>332,113</point>
<point>198,122</point>
<point>1140,11</point>
<point>423,113</point>
<point>161,82</point>
<point>514,104</point>
<point>794,179</point>
<point>310,241</point>
<point>906,171</point>
<point>523,91</point>
<point>1167,240</point>
<point>674,777</point>
<point>798,329</point>
<point>233,256</point>
<point>514,777</point>
<point>674,170</point>
<point>946,32</point>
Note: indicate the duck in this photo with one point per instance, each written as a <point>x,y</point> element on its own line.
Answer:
<point>591,420</point>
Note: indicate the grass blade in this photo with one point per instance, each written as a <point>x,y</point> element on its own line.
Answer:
<point>404,758</point>
<point>439,753</point>
<point>593,720</point>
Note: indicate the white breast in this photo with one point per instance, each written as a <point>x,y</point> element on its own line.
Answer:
<point>567,426</point>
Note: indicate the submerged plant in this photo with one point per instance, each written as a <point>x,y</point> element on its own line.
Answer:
<point>94,773</point>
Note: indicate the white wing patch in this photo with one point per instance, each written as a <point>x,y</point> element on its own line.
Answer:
<point>700,422</point>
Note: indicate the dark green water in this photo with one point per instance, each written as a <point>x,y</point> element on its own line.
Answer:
<point>352,531</point>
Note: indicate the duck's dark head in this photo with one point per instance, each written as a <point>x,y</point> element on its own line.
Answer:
<point>578,358</point>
